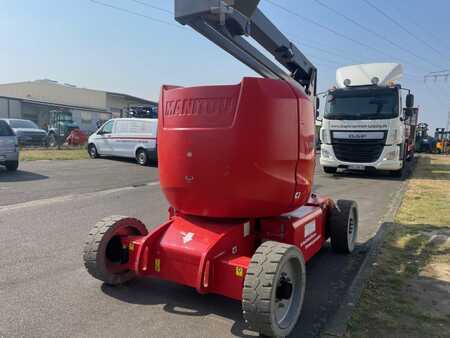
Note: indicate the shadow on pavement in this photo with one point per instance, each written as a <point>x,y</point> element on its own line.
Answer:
<point>20,176</point>
<point>152,164</point>
<point>375,175</point>
<point>328,277</point>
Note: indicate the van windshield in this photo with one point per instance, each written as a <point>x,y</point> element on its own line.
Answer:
<point>362,104</point>
<point>5,130</point>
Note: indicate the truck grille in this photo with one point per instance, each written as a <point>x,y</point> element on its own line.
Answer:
<point>358,151</point>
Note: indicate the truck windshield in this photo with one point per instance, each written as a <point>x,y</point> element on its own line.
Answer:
<point>358,104</point>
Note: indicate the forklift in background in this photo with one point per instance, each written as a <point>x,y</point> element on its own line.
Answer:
<point>442,139</point>
<point>424,142</point>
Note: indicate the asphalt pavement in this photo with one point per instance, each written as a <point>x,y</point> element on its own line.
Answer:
<point>47,210</point>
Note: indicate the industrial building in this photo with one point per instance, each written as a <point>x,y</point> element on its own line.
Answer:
<point>33,100</point>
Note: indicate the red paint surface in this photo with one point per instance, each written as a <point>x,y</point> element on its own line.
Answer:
<point>216,256</point>
<point>236,151</point>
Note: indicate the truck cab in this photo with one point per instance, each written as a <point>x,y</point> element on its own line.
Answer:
<point>365,125</point>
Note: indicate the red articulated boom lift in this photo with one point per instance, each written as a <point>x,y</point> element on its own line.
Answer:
<point>236,165</point>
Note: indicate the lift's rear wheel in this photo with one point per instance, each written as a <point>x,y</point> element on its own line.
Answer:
<point>274,289</point>
<point>343,226</point>
<point>105,257</point>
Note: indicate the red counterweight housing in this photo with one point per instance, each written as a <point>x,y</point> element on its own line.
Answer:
<point>236,151</point>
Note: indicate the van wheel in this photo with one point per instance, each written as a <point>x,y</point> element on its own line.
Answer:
<point>141,157</point>
<point>92,149</point>
<point>12,165</point>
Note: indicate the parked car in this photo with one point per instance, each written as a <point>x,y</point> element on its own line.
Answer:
<point>9,148</point>
<point>126,137</point>
<point>27,132</point>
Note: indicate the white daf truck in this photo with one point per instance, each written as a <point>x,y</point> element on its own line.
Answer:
<point>365,124</point>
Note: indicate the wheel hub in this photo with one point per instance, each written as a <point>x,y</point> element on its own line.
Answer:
<point>284,289</point>
<point>351,231</point>
<point>116,253</point>
<point>287,294</point>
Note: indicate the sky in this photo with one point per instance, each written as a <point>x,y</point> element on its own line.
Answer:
<point>129,50</point>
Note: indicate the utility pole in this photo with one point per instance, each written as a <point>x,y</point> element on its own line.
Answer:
<point>436,76</point>
<point>440,74</point>
<point>448,120</point>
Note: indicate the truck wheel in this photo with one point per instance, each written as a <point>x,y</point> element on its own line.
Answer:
<point>330,170</point>
<point>92,150</point>
<point>398,173</point>
<point>343,226</point>
<point>274,289</point>
<point>141,157</point>
<point>12,165</point>
<point>104,255</point>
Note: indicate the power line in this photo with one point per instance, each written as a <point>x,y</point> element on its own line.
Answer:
<point>398,24</point>
<point>153,6</point>
<point>417,23</point>
<point>440,71</point>
<point>322,59</point>
<point>137,14</point>
<point>326,51</point>
<point>307,46</point>
<point>331,30</point>
<point>367,29</point>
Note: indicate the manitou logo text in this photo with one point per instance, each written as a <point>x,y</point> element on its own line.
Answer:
<point>198,106</point>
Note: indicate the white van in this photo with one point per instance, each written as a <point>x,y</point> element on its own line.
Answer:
<point>126,137</point>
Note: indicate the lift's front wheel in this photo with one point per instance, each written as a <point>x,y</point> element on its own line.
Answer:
<point>274,289</point>
<point>105,256</point>
<point>343,226</point>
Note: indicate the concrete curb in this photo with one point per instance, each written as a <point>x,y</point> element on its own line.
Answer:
<point>337,325</point>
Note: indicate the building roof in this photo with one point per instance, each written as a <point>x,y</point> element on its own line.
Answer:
<point>53,92</point>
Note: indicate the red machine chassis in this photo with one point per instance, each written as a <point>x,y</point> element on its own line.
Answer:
<point>212,255</point>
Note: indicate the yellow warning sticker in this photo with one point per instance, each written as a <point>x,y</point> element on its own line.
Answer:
<point>157,265</point>
<point>131,246</point>
<point>239,271</point>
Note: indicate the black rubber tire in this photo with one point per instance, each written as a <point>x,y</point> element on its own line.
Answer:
<point>12,165</point>
<point>92,151</point>
<point>343,218</point>
<point>94,253</point>
<point>260,286</point>
<point>330,170</point>
<point>142,157</point>
<point>398,173</point>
